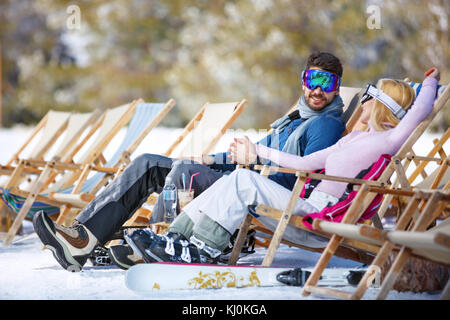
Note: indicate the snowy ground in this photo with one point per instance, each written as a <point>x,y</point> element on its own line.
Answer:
<point>28,272</point>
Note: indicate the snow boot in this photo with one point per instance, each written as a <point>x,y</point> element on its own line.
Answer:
<point>171,247</point>
<point>139,240</point>
<point>123,256</point>
<point>71,246</point>
<point>247,248</point>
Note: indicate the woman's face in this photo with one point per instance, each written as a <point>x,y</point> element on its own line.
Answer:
<point>366,110</point>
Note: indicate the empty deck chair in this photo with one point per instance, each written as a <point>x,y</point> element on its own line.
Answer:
<point>203,132</point>
<point>52,127</point>
<point>198,138</point>
<point>106,128</point>
<point>146,117</point>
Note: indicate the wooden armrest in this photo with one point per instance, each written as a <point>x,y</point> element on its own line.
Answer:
<point>78,200</point>
<point>320,176</point>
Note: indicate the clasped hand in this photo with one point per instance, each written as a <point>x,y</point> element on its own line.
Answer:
<point>242,151</point>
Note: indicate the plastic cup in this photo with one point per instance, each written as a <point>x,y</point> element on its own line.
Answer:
<point>184,197</point>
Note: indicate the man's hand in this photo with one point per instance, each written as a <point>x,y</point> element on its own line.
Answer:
<point>243,151</point>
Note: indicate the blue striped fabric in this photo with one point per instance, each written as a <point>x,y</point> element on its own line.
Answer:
<point>418,86</point>
<point>145,113</point>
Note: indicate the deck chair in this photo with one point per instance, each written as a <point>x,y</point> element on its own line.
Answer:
<point>421,163</point>
<point>366,196</point>
<point>50,126</point>
<point>198,138</point>
<point>429,203</point>
<point>203,132</point>
<point>147,116</point>
<point>55,124</point>
<point>105,128</point>
<point>359,205</point>
<point>431,244</point>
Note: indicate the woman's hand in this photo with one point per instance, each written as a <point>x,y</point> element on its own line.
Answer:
<point>243,151</point>
<point>433,72</point>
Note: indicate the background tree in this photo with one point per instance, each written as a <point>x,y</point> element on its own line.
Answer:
<point>198,51</point>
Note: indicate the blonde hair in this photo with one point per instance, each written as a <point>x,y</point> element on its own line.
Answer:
<point>381,118</point>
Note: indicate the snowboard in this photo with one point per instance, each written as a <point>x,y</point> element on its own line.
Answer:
<point>153,277</point>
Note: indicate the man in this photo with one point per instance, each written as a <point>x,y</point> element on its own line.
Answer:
<point>315,125</point>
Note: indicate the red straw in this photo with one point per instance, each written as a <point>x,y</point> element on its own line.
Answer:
<point>192,177</point>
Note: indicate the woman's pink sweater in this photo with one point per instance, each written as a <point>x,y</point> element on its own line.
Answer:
<point>358,149</point>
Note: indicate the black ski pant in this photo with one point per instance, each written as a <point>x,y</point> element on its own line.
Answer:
<point>146,174</point>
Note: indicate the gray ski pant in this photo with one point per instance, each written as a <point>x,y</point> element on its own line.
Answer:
<point>146,174</point>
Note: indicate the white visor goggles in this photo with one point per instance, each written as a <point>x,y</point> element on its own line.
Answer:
<point>378,94</point>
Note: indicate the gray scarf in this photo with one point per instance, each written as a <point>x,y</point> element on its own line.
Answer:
<point>292,143</point>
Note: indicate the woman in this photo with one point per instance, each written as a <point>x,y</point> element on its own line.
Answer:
<point>210,219</point>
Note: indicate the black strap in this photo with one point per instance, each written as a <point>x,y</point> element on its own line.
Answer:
<point>294,115</point>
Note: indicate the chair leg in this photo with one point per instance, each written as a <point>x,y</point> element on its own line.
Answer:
<point>358,206</point>
<point>240,240</point>
<point>374,267</point>
<point>5,218</point>
<point>391,277</point>
<point>327,254</point>
<point>27,205</point>
<point>284,221</point>
<point>421,225</point>
<point>385,250</point>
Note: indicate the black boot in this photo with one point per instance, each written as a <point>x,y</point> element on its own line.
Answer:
<point>123,256</point>
<point>171,247</point>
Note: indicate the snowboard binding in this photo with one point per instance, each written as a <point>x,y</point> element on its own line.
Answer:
<point>295,277</point>
<point>100,257</point>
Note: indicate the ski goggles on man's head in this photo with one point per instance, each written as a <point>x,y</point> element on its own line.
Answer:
<point>378,94</point>
<point>327,81</point>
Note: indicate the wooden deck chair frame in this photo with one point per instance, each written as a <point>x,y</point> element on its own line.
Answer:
<point>191,126</point>
<point>52,168</point>
<point>429,203</point>
<point>79,200</point>
<point>47,139</point>
<point>365,197</point>
<point>360,203</point>
<point>433,245</point>
<point>420,162</point>
<point>18,169</point>
<point>143,215</point>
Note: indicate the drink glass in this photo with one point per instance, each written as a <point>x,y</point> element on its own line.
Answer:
<point>184,197</point>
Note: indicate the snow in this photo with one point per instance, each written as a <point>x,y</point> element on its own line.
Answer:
<point>30,273</point>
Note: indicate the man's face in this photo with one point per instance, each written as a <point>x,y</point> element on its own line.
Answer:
<point>317,99</point>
